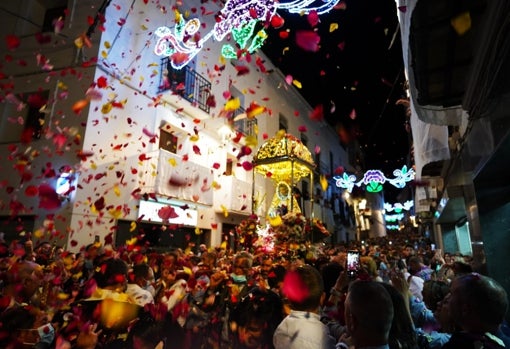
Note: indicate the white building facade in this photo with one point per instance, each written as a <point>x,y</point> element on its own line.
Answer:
<point>132,146</point>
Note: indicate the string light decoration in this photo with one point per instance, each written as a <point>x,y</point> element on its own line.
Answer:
<point>392,227</point>
<point>398,207</point>
<point>242,36</point>
<point>394,217</point>
<point>375,179</point>
<point>183,43</point>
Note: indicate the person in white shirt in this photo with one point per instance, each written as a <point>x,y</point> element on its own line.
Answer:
<point>139,279</point>
<point>302,328</point>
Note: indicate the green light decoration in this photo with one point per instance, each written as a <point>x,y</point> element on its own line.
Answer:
<point>392,227</point>
<point>374,180</point>
<point>242,37</point>
<point>374,187</point>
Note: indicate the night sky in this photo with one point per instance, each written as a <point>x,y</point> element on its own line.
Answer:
<point>356,74</point>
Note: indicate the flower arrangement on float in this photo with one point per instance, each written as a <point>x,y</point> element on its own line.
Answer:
<point>316,229</point>
<point>247,231</point>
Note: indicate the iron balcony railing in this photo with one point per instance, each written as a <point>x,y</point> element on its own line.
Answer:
<point>187,83</point>
<point>244,125</point>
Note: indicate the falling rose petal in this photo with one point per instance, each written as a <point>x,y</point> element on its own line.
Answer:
<point>265,136</point>
<point>308,40</point>
<point>247,165</point>
<point>242,70</point>
<point>461,23</point>
<point>317,113</point>
<point>386,82</point>
<point>233,104</point>
<point>148,133</point>
<point>297,83</point>
<point>167,212</point>
<point>340,6</point>
<point>332,107</point>
<point>313,18</point>
<point>12,42</point>
<point>48,198</point>
<point>333,27</point>
<point>283,34</point>
<point>277,21</point>
<point>302,128</point>
<point>84,154</point>
<point>93,94</point>
<point>216,166</point>
<point>324,182</point>
<point>402,9</point>
<point>254,109</point>
<point>339,170</point>
<point>59,25</point>
<point>227,95</point>
<point>78,106</point>
<point>317,149</point>
<point>196,150</point>
<point>289,79</point>
<point>211,101</point>
<point>341,45</point>
<point>99,204</point>
<point>59,140</point>
<point>102,82</point>
<point>296,113</point>
<point>179,58</point>
<point>353,115</point>
<point>31,191</point>
<point>294,288</point>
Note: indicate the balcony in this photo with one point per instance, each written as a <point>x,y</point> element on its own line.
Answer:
<point>185,180</point>
<point>186,83</point>
<point>244,125</point>
<point>234,195</point>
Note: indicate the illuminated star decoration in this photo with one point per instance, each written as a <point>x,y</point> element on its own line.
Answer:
<point>374,180</point>
<point>235,15</point>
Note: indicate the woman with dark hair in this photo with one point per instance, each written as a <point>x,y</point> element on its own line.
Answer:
<point>254,320</point>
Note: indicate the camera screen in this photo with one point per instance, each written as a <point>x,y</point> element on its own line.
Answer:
<point>352,261</point>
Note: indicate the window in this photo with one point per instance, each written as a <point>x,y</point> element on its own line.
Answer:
<point>228,167</point>
<point>318,162</point>
<point>51,16</point>
<point>283,124</point>
<point>168,141</point>
<point>304,139</point>
<point>331,169</point>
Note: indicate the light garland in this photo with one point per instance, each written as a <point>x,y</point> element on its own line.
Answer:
<point>235,15</point>
<point>394,217</point>
<point>393,227</point>
<point>242,37</point>
<point>374,180</point>
<point>398,207</point>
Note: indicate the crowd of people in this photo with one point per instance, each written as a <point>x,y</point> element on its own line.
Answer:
<point>404,294</point>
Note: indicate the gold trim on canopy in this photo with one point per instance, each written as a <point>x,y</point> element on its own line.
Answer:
<point>284,158</point>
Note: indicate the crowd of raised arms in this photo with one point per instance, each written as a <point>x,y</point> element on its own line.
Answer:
<point>402,294</point>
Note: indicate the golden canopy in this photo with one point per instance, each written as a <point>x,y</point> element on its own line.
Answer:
<point>283,158</point>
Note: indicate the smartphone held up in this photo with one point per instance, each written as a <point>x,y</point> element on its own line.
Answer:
<point>353,263</point>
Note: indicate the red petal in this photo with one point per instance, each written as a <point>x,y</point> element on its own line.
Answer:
<point>308,40</point>
<point>12,41</point>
